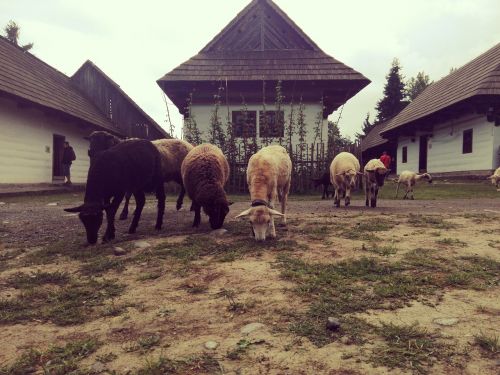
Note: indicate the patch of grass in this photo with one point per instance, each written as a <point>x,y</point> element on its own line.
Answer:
<point>58,360</point>
<point>241,349</point>
<point>25,281</point>
<point>429,221</point>
<point>152,275</point>
<point>451,242</point>
<point>385,250</point>
<point>230,296</point>
<point>363,230</point>
<point>100,265</point>
<point>71,303</point>
<point>490,345</point>
<point>7,255</point>
<point>204,364</point>
<point>407,346</point>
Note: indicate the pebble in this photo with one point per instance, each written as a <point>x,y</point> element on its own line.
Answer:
<point>446,321</point>
<point>218,232</point>
<point>52,204</point>
<point>252,327</point>
<point>141,244</point>
<point>333,324</point>
<point>98,367</point>
<point>118,251</point>
<point>2,203</point>
<point>211,345</point>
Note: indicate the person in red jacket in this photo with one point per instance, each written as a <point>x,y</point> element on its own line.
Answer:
<point>386,159</point>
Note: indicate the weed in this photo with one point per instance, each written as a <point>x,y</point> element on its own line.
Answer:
<point>230,296</point>
<point>100,265</point>
<point>451,242</point>
<point>26,281</point>
<point>242,347</point>
<point>106,358</point>
<point>380,250</point>
<point>204,364</point>
<point>490,345</point>
<point>431,221</point>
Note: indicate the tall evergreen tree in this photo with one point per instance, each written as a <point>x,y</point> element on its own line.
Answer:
<point>394,94</point>
<point>367,125</point>
<point>417,84</point>
<point>12,31</point>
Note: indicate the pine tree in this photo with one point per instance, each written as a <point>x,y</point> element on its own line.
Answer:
<point>394,94</point>
<point>367,125</point>
<point>417,84</point>
<point>12,31</point>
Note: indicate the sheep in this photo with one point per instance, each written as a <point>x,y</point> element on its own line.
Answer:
<point>495,178</point>
<point>205,171</point>
<point>374,173</point>
<point>325,181</point>
<point>268,177</point>
<point>133,166</point>
<point>343,172</point>
<point>172,151</point>
<point>409,179</point>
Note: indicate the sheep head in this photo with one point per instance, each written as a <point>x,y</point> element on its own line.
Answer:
<point>260,219</point>
<point>380,174</point>
<point>100,141</point>
<point>350,177</point>
<point>91,216</point>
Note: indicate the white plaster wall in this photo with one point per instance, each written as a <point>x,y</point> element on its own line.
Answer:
<point>203,113</point>
<point>445,147</point>
<point>25,135</point>
<point>496,147</point>
<point>412,155</point>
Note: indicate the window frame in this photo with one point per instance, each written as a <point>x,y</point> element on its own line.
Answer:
<point>404,154</point>
<point>467,141</point>
<point>275,132</point>
<point>251,119</point>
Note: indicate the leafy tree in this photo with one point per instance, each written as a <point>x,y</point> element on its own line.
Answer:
<point>394,94</point>
<point>416,85</point>
<point>336,141</point>
<point>12,31</point>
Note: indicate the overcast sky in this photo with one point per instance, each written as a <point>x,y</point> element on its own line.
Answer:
<point>137,42</point>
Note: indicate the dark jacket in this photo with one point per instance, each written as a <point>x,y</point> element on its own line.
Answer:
<point>68,155</point>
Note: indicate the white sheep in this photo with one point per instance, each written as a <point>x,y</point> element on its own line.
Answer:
<point>343,172</point>
<point>409,178</point>
<point>495,178</point>
<point>375,173</point>
<point>268,176</point>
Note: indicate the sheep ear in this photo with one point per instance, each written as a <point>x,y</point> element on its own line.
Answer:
<point>74,209</point>
<point>229,203</point>
<point>369,170</point>
<point>274,212</point>
<point>244,213</point>
<point>381,170</point>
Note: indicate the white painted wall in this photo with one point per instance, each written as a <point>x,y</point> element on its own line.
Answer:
<point>496,147</point>
<point>203,113</point>
<point>445,147</point>
<point>26,145</point>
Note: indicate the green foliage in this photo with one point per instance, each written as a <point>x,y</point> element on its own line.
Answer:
<point>394,94</point>
<point>191,132</point>
<point>336,141</point>
<point>12,31</point>
<point>318,124</point>
<point>216,133</point>
<point>416,85</point>
<point>301,129</point>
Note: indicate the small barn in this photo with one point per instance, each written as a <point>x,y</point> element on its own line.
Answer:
<point>40,108</point>
<point>453,127</point>
<point>260,74</point>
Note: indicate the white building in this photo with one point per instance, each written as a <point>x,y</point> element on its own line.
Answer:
<point>453,126</point>
<point>40,108</point>
<point>242,66</point>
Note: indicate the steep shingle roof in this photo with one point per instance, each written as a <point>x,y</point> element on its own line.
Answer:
<point>480,76</point>
<point>373,138</point>
<point>25,76</point>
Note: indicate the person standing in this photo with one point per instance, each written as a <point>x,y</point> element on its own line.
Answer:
<point>67,158</point>
<point>386,159</point>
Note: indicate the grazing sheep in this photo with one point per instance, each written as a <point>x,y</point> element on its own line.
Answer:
<point>375,173</point>
<point>205,171</point>
<point>343,172</point>
<point>325,181</point>
<point>129,166</point>
<point>409,178</point>
<point>495,178</point>
<point>173,152</point>
<point>268,176</point>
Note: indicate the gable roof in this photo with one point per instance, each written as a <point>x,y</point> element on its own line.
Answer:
<point>90,65</point>
<point>262,43</point>
<point>480,76</point>
<point>25,76</point>
<point>373,138</point>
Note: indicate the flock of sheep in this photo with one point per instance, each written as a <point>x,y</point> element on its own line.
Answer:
<point>122,168</point>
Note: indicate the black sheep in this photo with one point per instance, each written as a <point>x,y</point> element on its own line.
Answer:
<point>325,181</point>
<point>133,166</point>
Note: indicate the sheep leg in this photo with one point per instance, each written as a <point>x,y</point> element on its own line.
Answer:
<point>160,196</point>
<point>180,199</point>
<point>124,213</point>
<point>197,214</point>
<point>367,194</point>
<point>110,217</point>
<point>140,200</point>
<point>336,198</point>
<point>374,197</point>
<point>347,197</point>
<point>272,229</point>
<point>325,192</point>
<point>397,190</point>
<point>284,200</point>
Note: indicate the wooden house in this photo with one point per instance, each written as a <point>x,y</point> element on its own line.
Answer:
<point>373,145</point>
<point>241,68</point>
<point>453,126</point>
<point>41,107</point>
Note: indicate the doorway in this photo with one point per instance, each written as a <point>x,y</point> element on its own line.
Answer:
<point>422,158</point>
<point>57,154</point>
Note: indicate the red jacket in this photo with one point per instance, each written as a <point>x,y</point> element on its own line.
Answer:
<point>386,159</point>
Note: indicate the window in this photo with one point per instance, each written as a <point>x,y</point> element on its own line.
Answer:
<point>274,126</point>
<point>244,127</point>
<point>404,158</point>
<point>467,142</point>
